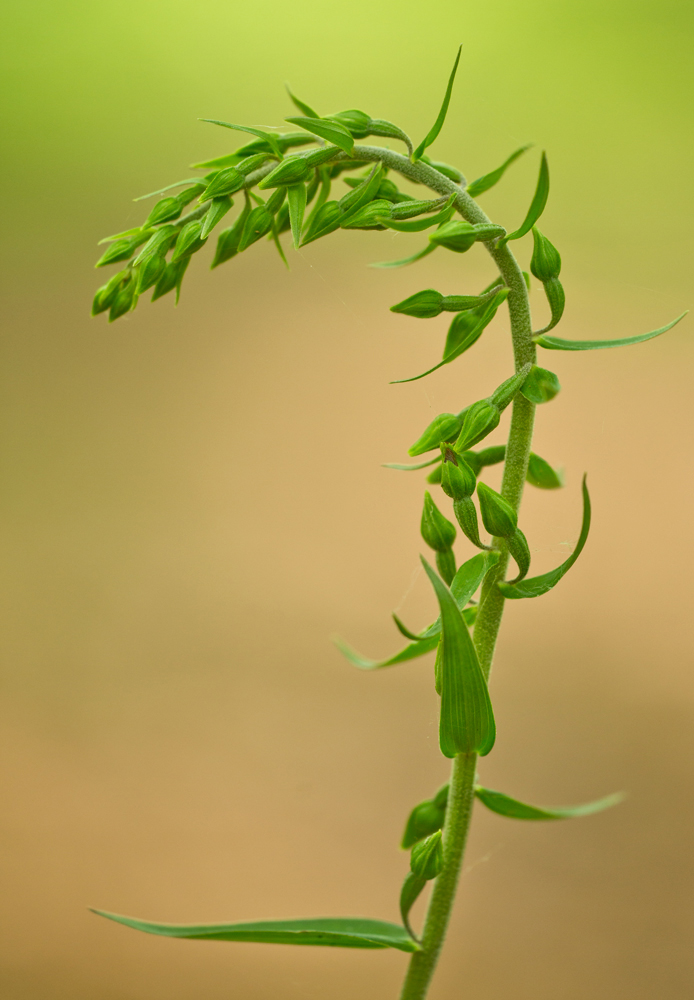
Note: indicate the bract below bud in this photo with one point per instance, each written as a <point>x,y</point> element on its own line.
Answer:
<point>541,385</point>
<point>442,428</point>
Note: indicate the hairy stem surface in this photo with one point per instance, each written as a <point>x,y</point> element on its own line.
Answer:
<point>461,795</point>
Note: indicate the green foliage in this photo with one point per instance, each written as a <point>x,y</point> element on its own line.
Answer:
<point>488,181</point>
<point>504,805</point>
<point>537,206</point>
<point>557,344</point>
<point>433,132</point>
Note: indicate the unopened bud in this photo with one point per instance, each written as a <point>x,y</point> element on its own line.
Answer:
<point>422,305</point>
<point>293,170</point>
<point>479,420</point>
<point>498,516</point>
<point>258,223</point>
<point>545,262</point>
<point>105,295</point>
<point>368,216</point>
<point>503,395</point>
<point>541,385</point>
<point>325,221</point>
<point>425,819</point>
<point>125,300</point>
<point>158,244</point>
<point>188,241</point>
<point>171,278</point>
<point>124,249</point>
<point>466,516</point>
<point>163,211</point>
<point>355,121</point>
<point>456,235</point>
<point>457,478</point>
<point>542,475</point>
<point>226,181</point>
<point>437,531</point>
<point>426,860</point>
<point>442,428</point>
<point>149,273</point>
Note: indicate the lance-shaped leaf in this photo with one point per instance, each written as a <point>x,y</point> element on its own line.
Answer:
<point>536,586</point>
<point>438,124</point>
<point>556,298</point>
<point>267,137</point>
<point>331,131</point>
<point>305,109</point>
<point>537,205</point>
<point>410,652</point>
<point>216,212</point>
<point>504,805</point>
<point>363,193</point>
<point>411,468</point>
<point>541,474</point>
<point>169,187</point>
<point>334,932</point>
<point>296,197</point>
<point>404,261</point>
<point>419,225</point>
<point>557,344</point>
<point>483,184</point>
<point>471,337</point>
<point>467,721</point>
<point>411,890</point>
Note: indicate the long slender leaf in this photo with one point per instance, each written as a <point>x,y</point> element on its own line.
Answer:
<point>438,124</point>
<point>330,131</point>
<point>169,187</point>
<point>305,109</point>
<point>404,261</point>
<point>488,181</point>
<point>267,136</point>
<point>467,721</point>
<point>471,337</point>
<point>420,224</point>
<point>504,805</point>
<point>536,586</point>
<point>335,932</point>
<point>557,344</point>
<point>411,890</point>
<point>410,652</point>
<point>411,468</point>
<point>296,198</point>
<point>537,205</point>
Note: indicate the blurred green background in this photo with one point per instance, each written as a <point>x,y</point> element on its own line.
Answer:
<point>193,501</point>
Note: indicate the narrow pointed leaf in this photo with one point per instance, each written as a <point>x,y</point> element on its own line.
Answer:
<point>296,197</point>
<point>410,652</point>
<point>335,932</point>
<point>411,468</point>
<point>169,187</point>
<point>403,629</point>
<point>420,224</point>
<point>266,136</point>
<point>557,344</point>
<point>411,890</point>
<point>404,261</point>
<point>330,131</point>
<point>467,720</point>
<point>488,181</point>
<point>541,474</point>
<point>438,124</point>
<point>537,206</point>
<point>536,586</point>
<point>504,805</point>
<point>305,109</point>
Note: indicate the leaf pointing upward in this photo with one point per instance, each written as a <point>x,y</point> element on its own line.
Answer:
<point>488,181</point>
<point>438,124</point>
<point>537,205</point>
<point>328,130</point>
<point>267,136</point>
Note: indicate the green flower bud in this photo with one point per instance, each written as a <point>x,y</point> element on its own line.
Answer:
<point>258,223</point>
<point>124,249</point>
<point>367,217</point>
<point>276,200</point>
<point>215,213</point>
<point>319,156</point>
<point>356,122</point>
<point>455,235</point>
<point>171,277</point>
<point>426,860</point>
<point>186,196</point>
<point>422,305</point>
<point>188,241</point>
<point>556,298</point>
<point>541,385</point>
<point>425,819</point>
<point>479,420</point>
<point>158,245</point>
<point>226,181</point>
<point>105,295</point>
<point>518,547</point>
<point>293,170</point>
<point>251,163</point>
<point>125,300</point>
<point>498,516</point>
<point>163,211</point>
<point>325,221</point>
<point>545,262</point>
<point>466,516</point>
<point>411,207</point>
<point>457,478</point>
<point>437,531</point>
<point>442,428</point>
<point>149,273</point>
<point>503,395</point>
<point>445,563</point>
<point>486,232</point>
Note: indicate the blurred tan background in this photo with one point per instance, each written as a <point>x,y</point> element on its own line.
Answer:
<point>193,502</point>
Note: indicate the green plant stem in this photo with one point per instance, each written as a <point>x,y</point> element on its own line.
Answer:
<point>461,795</point>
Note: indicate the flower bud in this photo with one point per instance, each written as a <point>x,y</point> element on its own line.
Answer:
<point>171,277</point>
<point>437,531</point>
<point>163,211</point>
<point>425,819</point>
<point>356,122</point>
<point>542,475</point>
<point>422,305</point>
<point>149,273</point>
<point>503,395</point>
<point>479,420</point>
<point>224,182</point>
<point>125,300</point>
<point>411,207</point>
<point>124,249</point>
<point>215,213</point>
<point>541,385</point>
<point>545,262</point>
<point>229,239</point>
<point>293,170</point>
<point>319,156</point>
<point>258,223</point>
<point>250,163</point>
<point>498,516</point>
<point>445,564</point>
<point>105,295</point>
<point>368,216</point>
<point>188,241</point>
<point>325,221</point>
<point>158,244</point>
<point>456,235</point>
<point>426,860</point>
<point>485,232</point>
<point>457,478</point>
<point>556,299</point>
<point>442,428</point>
<point>466,516</point>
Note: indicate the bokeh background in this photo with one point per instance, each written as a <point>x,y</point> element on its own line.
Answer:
<point>193,502</point>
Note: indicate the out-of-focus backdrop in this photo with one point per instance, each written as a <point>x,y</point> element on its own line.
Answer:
<point>193,502</point>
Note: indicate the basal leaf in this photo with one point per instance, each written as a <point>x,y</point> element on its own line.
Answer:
<point>504,805</point>
<point>328,130</point>
<point>483,184</point>
<point>536,586</point>
<point>334,932</point>
<point>410,652</point>
<point>266,136</point>
<point>404,261</point>
<point>537,206</point>
<point>557,344</point>
<point>467,720</point>
<point>438,124</point>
